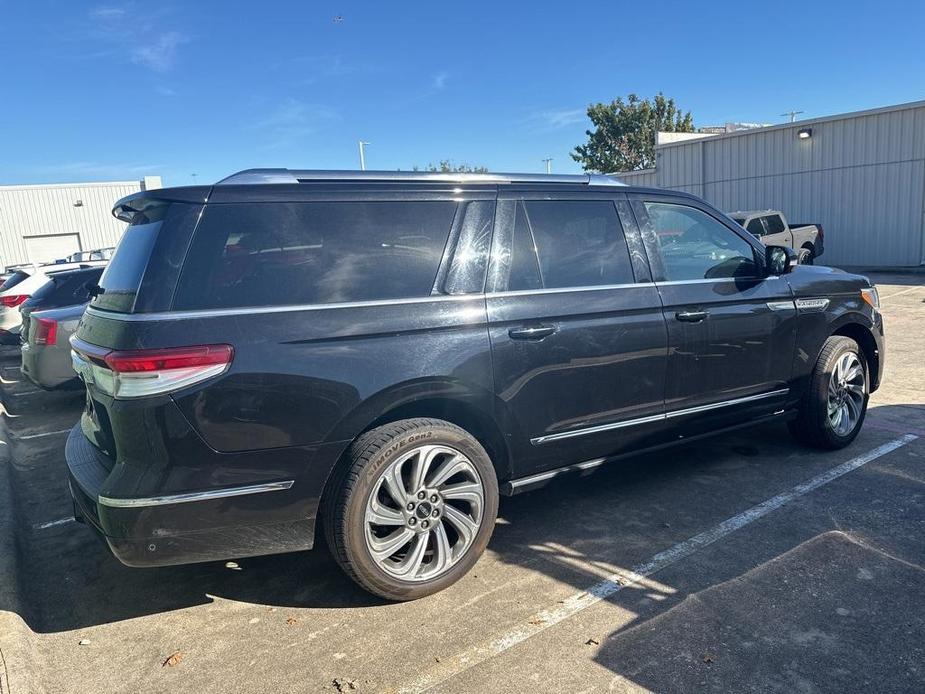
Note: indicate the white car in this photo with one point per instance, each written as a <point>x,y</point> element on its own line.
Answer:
<point>18,287</point>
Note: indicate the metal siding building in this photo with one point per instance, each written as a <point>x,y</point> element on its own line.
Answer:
<point>38,220</point>
<point>861,175</point>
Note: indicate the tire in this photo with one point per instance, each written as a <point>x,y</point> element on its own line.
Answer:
<point>807,256</point>
<point>445,534</point>
<point>818,425</point>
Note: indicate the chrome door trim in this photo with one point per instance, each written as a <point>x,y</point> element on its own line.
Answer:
<point>539,440</point>
<point>194,496</point>
<point>782,305</point>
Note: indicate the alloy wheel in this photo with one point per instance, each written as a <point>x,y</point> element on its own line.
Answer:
<point>847,390</point>
<point>424,513</point>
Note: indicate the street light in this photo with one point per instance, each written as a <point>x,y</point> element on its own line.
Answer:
<point>362,146</point>
<point>548,162</point>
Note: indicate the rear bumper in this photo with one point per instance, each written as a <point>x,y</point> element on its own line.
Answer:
<point>180,527</point>
<point>48,367</point>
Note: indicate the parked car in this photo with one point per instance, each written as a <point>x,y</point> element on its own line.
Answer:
<point>771,227</point>
<point>86,256</point>
<point>21,285</point>
<point>392,351</point>
<point>46,352</point>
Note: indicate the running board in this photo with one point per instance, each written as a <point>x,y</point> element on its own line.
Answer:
<point>541,479</point>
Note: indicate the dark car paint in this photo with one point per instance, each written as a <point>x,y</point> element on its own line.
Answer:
<point>306,381</point>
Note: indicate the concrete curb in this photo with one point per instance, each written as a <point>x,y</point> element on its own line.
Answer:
<point>16,638</point>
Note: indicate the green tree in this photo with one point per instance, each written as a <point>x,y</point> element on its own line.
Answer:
<point>446,166</point>
<point>624,134</point>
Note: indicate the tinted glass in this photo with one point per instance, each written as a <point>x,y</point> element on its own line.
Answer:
<point>313,253</point>
<point>13,280</point>
<point>123,274</point>
<point>774,223</point>
<point>694,245</point>
<point>67,288</point>
<point>470,256</point>
<point>578,243</point>
<point>755,227</point>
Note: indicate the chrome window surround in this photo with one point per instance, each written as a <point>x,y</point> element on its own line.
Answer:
<point>194,496</point>
<point>549,438</point>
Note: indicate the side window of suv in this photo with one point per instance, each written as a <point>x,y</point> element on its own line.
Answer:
<point>266,254</point>
<point>567,243</point>
<point>695,246</point>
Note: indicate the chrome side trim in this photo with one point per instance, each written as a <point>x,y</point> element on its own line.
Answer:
<point>565,290</point>
<point>254,310</point>
<point>812,305</point>
<point>539,440</point>
<point>526,482</point>
<point>719,279</point>
<point>782,306</point>
<point>549,438</point>
<point>194,496</point>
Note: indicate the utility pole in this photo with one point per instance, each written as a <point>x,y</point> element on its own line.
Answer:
<point>548,162</point>
<point>362,146</point>
<point>793,114</point>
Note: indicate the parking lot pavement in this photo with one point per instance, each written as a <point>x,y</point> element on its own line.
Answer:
<point>745,563</point>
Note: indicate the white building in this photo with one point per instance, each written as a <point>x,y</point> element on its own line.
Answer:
<point>861,175</point>
<point>39,223</point>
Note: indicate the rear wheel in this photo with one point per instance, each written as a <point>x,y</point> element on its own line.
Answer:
<point>806,256</point>
<point>414,508</point>
<point>835,404</point>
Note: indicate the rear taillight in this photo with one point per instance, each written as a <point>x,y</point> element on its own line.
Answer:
<point>144,372</point>
<point>46,331</point>
<point>821,231</point>
<point>13,300</point>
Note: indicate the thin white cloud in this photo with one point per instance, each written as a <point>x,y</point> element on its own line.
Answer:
<point>161,53</point>
<point>98,169</point>
<point>143,36</point>
<point>439,81</point>
<point>293,120</point>
<point>554,119</point>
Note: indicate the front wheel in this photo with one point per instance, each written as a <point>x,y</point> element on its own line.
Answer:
<point>835,404</point>
<point>414,509</point>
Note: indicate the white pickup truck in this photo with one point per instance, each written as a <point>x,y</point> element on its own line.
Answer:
<point>772,229</point>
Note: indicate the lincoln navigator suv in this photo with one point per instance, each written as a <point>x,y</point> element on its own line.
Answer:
<point>376,357</point>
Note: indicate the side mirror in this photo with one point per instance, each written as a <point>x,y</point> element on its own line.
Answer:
<point>779,260</point>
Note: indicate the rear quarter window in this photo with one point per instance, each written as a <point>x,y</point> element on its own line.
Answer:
<point>13,280</point>
<point>268,254</point>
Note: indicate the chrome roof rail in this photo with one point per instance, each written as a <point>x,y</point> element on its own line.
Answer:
<point>263,176</point>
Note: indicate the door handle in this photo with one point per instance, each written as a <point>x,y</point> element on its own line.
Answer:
<point>691,316</point>
<point>533,332</point>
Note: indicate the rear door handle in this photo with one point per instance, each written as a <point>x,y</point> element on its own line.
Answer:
<point>533,332</point>
<point>691,316</point>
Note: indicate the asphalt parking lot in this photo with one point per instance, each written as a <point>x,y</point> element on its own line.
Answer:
<point>745,563</point>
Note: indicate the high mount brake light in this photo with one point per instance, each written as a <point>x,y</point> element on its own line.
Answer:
<point>143,372</point>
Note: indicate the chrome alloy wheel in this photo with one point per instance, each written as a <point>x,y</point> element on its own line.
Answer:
<point>847,389</point>
<point>424,513</point>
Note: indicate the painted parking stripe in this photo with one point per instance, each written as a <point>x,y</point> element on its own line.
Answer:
<point>52,524</point>
<point>470,658</point>
<point>38,436</point>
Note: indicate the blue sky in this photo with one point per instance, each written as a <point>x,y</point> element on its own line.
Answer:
<point>118,90</point>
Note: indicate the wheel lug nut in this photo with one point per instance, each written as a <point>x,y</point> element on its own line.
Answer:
<point>433,497</point>
<point>436,512</point>
<point>412,521</point>
<point>422,495</point>
<point>424,524</point>
<point>410,506</point>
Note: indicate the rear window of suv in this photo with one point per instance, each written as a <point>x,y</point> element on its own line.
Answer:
<point>269,254</point>
<point>123,274</point>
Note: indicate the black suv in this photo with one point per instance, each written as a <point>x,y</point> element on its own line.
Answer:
<point>388,352</point>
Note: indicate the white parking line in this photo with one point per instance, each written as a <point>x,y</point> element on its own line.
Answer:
<point>51,524</point>
<point>904,291</point>
<point>38,436</point>
<point>468,659</point>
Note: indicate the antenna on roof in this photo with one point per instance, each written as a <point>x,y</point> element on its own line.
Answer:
<point>793,114</point>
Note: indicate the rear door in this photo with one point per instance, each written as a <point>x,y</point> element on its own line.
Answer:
<point>577,335</point>
<point>731,331</point>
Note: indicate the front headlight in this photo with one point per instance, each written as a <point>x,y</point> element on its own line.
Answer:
<point>871,297</point>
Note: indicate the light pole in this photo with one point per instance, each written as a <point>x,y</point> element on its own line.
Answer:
<point>793,114</point>
<point>548,162</point>
<point>362,146</point>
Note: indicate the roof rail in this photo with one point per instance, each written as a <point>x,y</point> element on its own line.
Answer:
<point>264,176</point>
